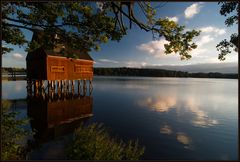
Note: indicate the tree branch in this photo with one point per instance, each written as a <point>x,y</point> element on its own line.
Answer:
<point>18,26</point>
<point>33,24</point>
<point>132,18</point>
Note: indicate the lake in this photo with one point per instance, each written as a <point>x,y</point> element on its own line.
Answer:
<point>174,118</point>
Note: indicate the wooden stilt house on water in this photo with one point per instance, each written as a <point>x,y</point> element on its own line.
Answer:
<point>52,65</point>
<point>58,68</point>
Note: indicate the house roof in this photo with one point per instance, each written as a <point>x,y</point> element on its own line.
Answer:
<point>59,50</point>
<point>70,53</point>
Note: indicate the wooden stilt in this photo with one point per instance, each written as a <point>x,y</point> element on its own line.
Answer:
<point>42,86</point>
<point>90,92</point>
<point>84,83</point>
<point>58,86</point>
<point>49,86</point>
<point>84,87</point>
<point>90,87</point>
<point>54,86</point>
<point>79,85</point>
<point>84,91</point>
<point>61,85</point>
<point>36,87</point>
<point>90,84</point>
<point>67,85</point>
<point>72,86</point>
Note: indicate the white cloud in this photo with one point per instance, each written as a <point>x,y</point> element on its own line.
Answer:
<point>211,29</point>
<point>143,63</point>
<point>154,48</point>
<point>108,61</point>
<point>175,19</point>
<point>135,64</point>
<point>192,10</point>
<point>198,51</point>
<point>17,56</point>
<point>208,34</point>
<point>201,49</point>
<point>204,40</point>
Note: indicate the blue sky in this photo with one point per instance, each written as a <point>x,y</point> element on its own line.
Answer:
<point>138,49</point>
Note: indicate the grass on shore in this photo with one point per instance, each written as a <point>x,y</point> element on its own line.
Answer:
<point>93,142</point>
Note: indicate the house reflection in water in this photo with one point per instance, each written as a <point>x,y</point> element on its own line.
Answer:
<point>56,115</point>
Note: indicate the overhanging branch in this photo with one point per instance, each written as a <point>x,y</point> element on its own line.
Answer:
<point>19,26</point>
<point>134,19</point>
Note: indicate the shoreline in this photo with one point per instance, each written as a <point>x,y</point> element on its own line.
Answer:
<point>9,78</point>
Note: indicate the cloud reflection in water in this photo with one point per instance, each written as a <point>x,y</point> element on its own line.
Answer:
<point>162,104</point>
<point>158,104</point>
<point>166,129</point>
<point>201,118</point>
<point>184,139</point>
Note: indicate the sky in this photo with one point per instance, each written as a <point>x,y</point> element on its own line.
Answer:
<point>138,49</point>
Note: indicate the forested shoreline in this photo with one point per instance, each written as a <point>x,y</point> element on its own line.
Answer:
<point>159,73</point>
<point>123,71</point>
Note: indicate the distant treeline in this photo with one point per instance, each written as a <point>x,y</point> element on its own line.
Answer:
<point>10,69</point>
<point>158,73</point>
<point>145,73</point>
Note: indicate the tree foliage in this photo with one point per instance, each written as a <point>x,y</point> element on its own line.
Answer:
<point>85,25</point>
<point>12,134</point>
<point>230,9</point>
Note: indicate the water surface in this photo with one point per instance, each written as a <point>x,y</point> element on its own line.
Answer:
<point>174,118</point>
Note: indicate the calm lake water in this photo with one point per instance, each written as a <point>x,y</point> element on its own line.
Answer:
<point>174,118</point>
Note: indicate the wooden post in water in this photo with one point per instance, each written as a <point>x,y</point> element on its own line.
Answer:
<point>72,86</point>
<point>84,87</point>
<point>58,86</point>
<point>84,84</point>
<point>48,86</point>
<point>67,85</point>
<point>36,87</point>
<point>52,85</point>
<point>64,85</point>
<point>42,87</point>
<point>61,86</point>
<point>79,85</point>
<point>90,84</point>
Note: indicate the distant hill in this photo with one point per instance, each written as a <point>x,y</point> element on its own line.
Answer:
<point>204,68</point>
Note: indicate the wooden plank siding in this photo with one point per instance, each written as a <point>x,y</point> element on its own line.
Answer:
<point>61,68</point>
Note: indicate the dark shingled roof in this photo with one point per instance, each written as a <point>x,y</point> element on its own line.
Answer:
<point>66,53</point>
<point>60,49</point>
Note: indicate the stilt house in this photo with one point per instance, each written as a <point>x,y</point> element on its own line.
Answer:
<point>55,64</point>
